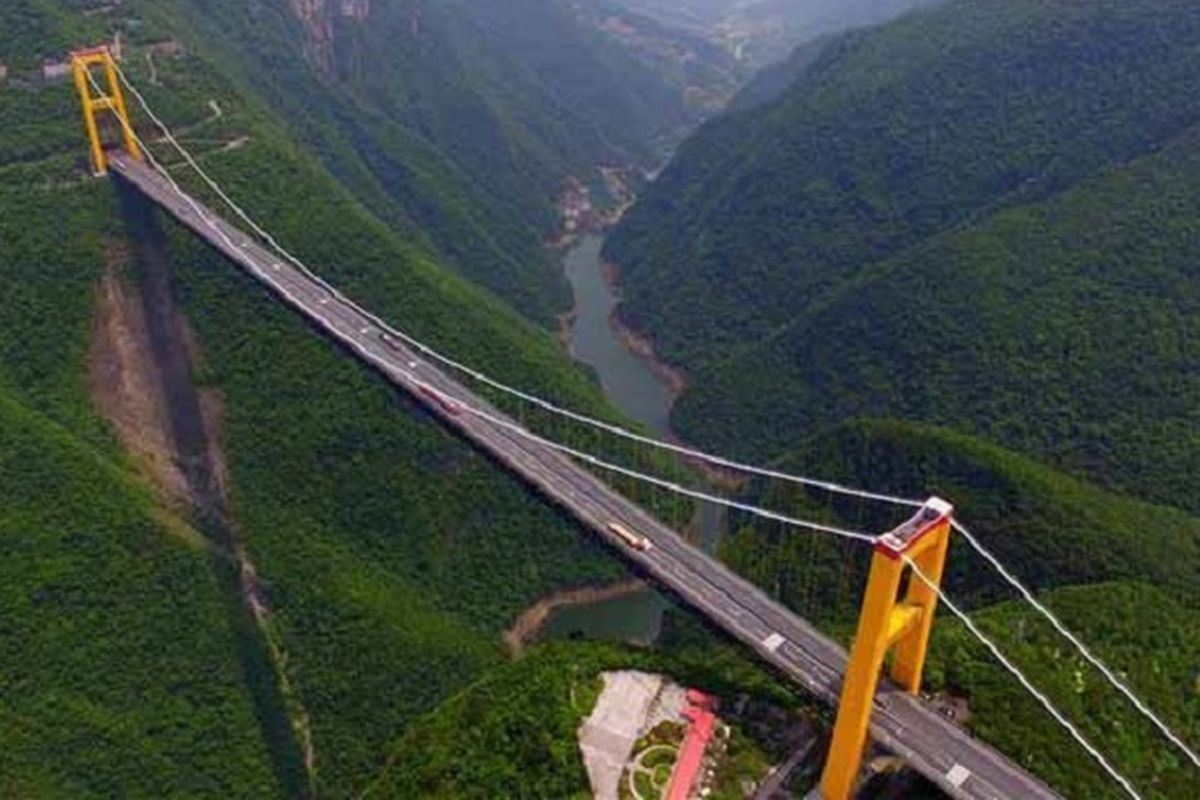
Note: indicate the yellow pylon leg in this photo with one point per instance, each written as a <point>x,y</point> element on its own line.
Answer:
<point>99,163</point>
<point>888,622</point>
<point>82,63</point>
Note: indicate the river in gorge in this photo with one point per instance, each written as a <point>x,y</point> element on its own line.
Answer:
<point>636,389</point>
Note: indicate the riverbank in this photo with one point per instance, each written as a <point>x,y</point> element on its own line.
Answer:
<point>566,324</point>
<point>580,217</point>
<point>533,619</point>
<point>674,378</point>
<point>644,388</point>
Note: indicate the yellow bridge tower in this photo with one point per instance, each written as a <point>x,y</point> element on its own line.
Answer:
<point>82,62</point>
<point>888,622</point>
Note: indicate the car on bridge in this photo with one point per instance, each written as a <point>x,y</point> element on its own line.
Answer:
<point>635,540</point>
<point>445,403</point>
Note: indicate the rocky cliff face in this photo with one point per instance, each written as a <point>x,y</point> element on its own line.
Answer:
<point>355,9</point>
<point>320,19</point>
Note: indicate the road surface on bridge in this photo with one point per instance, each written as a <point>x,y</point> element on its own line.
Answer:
<point>961,765</point>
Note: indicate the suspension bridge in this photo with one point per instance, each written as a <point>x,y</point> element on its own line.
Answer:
<point>903,588</point>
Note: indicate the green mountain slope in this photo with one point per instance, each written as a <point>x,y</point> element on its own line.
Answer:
<point>459,122</point>
<point>1038,521</point>
<point>1066,328</point>
<point>388,554</point>
<point>1054,532</point>
<point>513,733</point>
<point>957,218</point>
<point>1160,661</point>
<point>120,673</point>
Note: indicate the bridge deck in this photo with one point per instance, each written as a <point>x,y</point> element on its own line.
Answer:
<point>962,766</point>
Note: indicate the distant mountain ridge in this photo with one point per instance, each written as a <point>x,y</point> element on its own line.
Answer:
<point>763,32</point>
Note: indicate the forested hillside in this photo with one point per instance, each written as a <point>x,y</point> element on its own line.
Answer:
<point>121,672</point>
<point>460,122</point>
<point>1090,555</point>
<point>1114,618</point>
<point>1037,520</point>
<point>237,564</point>
<point>386,554</point>
<point>980,215</point>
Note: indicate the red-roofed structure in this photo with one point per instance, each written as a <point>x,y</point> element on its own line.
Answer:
<point>691,754</point>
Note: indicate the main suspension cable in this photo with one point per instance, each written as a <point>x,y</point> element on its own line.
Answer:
<point>509,425</point>
<point>699,455</point>
<point>1094,660</point>
<point>1024,681</point>
<point>687,452</point>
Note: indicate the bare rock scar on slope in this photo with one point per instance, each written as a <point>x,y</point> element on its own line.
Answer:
<point>140,374</point>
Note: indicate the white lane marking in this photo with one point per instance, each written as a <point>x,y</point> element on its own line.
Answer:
<point>717,611</point>
<point>365,331</point>
<point>958,775</point>
<point>773,641</point>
